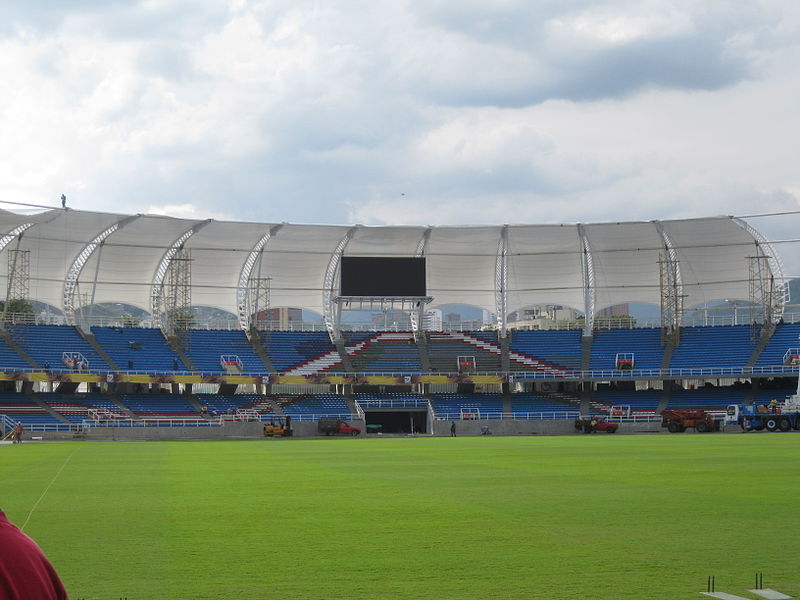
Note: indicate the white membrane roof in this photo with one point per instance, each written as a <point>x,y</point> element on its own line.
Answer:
<point>544,263</point>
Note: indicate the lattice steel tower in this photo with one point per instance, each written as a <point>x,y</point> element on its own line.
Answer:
<point>258,300</point>
<point>764,297</point>
<point>19,278</point>
<point>177,296</point>
<point>671,300</point>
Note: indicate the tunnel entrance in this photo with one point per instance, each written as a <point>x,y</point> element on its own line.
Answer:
<point>398,421</point>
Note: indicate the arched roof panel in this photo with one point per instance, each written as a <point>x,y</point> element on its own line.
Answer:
<point>461,265</point>
<point>543,261</point>
<point>544,266</point>
<point>296,260</point>
<point>54,242</point>
<point>713,258</point>
<point>218,252</point>
<point>625,258</point>
<point>129,258</point>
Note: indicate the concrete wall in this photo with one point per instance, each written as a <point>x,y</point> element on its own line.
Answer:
<point>254,430</point>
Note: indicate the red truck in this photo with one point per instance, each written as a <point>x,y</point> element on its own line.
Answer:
<point>334,426</point>
<point>595,424</point>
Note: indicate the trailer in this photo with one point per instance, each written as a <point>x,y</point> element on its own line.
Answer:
<point>775,416</point>
<point>677,420</point>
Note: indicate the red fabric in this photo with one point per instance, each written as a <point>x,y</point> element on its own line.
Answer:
<point>25,572</point>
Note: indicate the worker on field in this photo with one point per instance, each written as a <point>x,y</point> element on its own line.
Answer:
<point>452,429</point>
<point>18,433</point>
<point>25,572</point>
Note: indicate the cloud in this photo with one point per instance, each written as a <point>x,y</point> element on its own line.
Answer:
<point>498,112</point>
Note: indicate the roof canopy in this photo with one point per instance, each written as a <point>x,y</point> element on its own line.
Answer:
<point>119,258</point>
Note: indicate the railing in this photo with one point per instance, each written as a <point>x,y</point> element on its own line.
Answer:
<point>266,417</point>
<point>715,316</point>
<point>496,416</point>
<point>393,403</point>
<point>566,375</point>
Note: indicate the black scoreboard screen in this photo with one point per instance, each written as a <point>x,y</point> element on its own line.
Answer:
<point>380,277</point>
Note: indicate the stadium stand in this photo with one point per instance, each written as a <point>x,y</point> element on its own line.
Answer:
<point>317,404</point>
<point>206,347</point>
<point>138,349</point>
<point>785,337</point>
<point>709,397</point>
<point>300,352</point>
<point>444,348</point>
<point>160,406</point>
<point>645,401</point>
<point>559,348</point>
<point>727,347</point>
<point>467,406</point>
<point>532,406</point>
<point>229,403</point>
<point>389,352</point>
<point>10,360</point>
<point>644,344</point>
<point>24,410</point>
<point>46,345</point>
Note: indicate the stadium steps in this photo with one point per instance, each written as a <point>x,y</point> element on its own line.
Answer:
<point>122,407</point>
<point>344,356</point>
<point>505,357</point>
<point>666,394</point>
<point>508,407</point>
<point>258,348</point>
<point>586,352</point>
<point>763,340</point>
<point>175,345</point>
<point>98,348</point>
<point>322,363</point>
<point>47,408</point>
<point>192,400</point>
<point>421,338</point>
<point>12,343</point>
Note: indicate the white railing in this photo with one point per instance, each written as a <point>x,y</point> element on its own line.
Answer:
<point>393,403</point>
<point>265,417</point>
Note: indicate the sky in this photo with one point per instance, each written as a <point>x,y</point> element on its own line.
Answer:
<point>405,112</point>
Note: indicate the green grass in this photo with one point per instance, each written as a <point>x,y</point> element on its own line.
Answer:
<point>506,517</point>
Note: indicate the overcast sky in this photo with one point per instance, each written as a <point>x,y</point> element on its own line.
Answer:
<point>426,112</point>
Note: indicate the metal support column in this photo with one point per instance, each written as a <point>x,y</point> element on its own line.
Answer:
<point>329,311</point>
<point>587,269</point>
<point>501,282</point>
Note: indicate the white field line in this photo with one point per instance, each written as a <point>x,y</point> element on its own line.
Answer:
<point>52,481</point>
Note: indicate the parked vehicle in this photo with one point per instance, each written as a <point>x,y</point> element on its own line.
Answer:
<point>334,426</point>
<point>775,416</point>
<point>278,428</point>
<point>677,420</point>
<point>595,424</point>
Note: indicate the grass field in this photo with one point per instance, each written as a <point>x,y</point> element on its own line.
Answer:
<point>505,517</point>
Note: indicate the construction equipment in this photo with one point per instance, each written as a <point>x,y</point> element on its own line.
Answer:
<point>677,420</point>
<point>775,416</point>
<point>278,428</point>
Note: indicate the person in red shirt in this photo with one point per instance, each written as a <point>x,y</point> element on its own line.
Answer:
<point>25,572</point>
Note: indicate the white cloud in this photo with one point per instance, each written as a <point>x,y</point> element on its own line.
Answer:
<point>402,113</point>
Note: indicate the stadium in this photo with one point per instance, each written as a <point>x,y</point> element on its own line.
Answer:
<point>141,327</point>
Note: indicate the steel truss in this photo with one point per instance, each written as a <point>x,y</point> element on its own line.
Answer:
<point>19,277</point>
<point>176,303</point>
<point>258,300</point>
<point>763,295</point>
<point>671,299</point>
